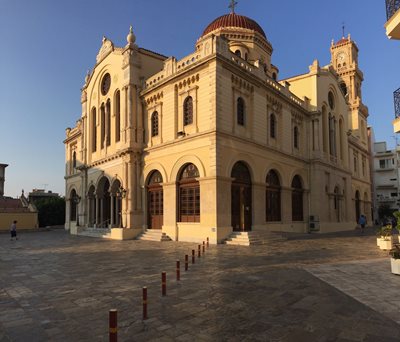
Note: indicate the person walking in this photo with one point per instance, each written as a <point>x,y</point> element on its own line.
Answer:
<point>362,222</point>
<point>13,231</point>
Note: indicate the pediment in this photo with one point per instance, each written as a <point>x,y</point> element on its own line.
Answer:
<point>107,47</point>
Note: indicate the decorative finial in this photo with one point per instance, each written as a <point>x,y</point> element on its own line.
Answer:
<point>232,6</point>
<point>130,38</point>
<point>343,27</point>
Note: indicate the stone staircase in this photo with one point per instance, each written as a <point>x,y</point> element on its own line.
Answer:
<point>96,232</point>
<point>253,238</point>
<point>153,235</point>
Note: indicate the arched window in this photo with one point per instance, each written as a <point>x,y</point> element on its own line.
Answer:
<point>108,123</point>
<point>188,111</point>
<point>155,200</point>
<point>154,124</point>
<point>272,126</point>
<point>297,199</point>
<point>117,116</point>
<point>240,110</point>
<point>341,133</point>
<point>274,77</point>
<point>238,53</point>
<point>189,194</point>
<point>296,137</point>
<point>241,197</point>
<point>332,134</point>
<point>73,202</point>
<point>74,159</point>
<point>343,88</point>
<point>103,125</point>
<point>94,130</point>
<point>273,197</point>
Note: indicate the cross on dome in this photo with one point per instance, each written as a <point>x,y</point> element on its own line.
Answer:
<point>232,6</point>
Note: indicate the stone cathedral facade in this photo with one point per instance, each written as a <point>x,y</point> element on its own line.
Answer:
<point>216,142</point>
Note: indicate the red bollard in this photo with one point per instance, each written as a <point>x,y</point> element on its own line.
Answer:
<point>164,283</point>
<point>186,262</point>
<point>178,270</point>
<point>204,247</point>
<point>113,325</point>
<point>208,242</point>
<point>144,302</point>
<point>192,256</point>
<point>198,252</point>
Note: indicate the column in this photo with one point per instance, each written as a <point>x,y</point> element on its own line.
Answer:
<point>112,218</point>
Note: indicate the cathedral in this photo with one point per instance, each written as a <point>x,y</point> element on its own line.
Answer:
<point>216,142</point>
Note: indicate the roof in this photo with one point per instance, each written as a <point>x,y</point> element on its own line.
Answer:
<point>234,20</point>
<point>12,205</point>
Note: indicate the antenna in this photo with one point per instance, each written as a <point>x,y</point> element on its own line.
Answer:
<point>45,186</point>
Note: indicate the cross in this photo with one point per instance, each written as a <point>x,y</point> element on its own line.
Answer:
<point>232,6</point>
<point>343,29</point>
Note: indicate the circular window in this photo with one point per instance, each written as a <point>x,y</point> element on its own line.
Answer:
<point>331,100</point>
<point>105,84</point>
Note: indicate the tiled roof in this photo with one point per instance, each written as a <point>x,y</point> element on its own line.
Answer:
<point>234,20</point>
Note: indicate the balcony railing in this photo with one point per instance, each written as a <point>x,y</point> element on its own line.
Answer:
<point>396,98</point>
<point>391,8</point>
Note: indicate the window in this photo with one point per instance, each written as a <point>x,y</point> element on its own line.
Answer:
<point>273,197</point>
<point>297,199</point>
<point>108,123</point>
<point>385,163</point>
<point>272,126</point>
<point>189,194</point>
<point>74,160</point>
<point>296,137</point>
<point>331,100</point>
<point>274,77</point>
<point>332,135</point>
<point>154,124</point>
<point>188,111</point>
<point>343,88</point>
<point>363,165</point>
<point>355,164</point>
<point>238,53</point>
<point>117,116</point>
<point>103,125</point>
<point>94,130</point>
<point>240,111</point>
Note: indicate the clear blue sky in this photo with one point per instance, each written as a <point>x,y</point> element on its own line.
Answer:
<point>48,45</point>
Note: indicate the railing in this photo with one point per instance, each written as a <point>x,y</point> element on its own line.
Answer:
<point>396,98</point>
<point>391,8</point>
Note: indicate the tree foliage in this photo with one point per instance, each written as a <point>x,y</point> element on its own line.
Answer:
<point>51,211</point>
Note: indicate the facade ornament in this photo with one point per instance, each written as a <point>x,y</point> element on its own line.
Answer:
<point>131,38</point>
<point>106,48</point>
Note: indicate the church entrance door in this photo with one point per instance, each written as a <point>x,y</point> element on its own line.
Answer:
<point>155,198</point>
<point>241,198</point>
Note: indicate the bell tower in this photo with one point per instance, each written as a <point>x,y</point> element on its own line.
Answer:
<point>344,60</point>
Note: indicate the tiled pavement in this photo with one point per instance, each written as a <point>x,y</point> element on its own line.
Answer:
<point>336,287</point>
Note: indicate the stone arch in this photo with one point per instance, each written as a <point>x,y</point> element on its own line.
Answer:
<point>241,196</point>
<point>148,171</point>
<point>188,159</point>
<point>241,158</point>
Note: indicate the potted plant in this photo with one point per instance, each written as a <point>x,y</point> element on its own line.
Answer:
<point>384,237</point>
<point>395,259</point>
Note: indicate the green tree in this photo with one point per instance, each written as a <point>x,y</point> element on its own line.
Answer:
<point>51,211</point>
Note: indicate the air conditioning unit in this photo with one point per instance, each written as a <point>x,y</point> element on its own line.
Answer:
<point>313,218</point>
<point>313,226</point>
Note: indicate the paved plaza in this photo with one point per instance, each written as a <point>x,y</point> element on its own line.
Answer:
<point>333,287</point>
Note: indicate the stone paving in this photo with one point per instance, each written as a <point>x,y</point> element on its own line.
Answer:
<point>333,287</point>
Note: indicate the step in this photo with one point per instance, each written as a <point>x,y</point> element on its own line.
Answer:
<point>153,235</point>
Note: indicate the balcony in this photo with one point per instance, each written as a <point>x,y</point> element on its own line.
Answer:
<point>393,19</point>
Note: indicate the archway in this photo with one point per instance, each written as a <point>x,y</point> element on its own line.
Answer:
<point>297,199</point>
<point>91,206</point>
<point>241,208</point>
<point>104,203</point>
<point>116,204</point>
<point>155,201</point>
<point>357,204</point>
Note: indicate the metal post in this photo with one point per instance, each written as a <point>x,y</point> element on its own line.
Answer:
<point>208,242</point>
<point>178,270</point>
<point>204,247</point>
<point>144,302</point>
<point>164,283</point>
<point>198,251</point>
<point>113,325</point>
<point>186,262</point>
<point>193,256</point>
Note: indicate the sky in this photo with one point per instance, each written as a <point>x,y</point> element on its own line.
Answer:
<point>47,46</point>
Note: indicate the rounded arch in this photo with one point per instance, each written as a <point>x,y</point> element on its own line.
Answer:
<point>244,158</point>
<point>98,76</point>
<point>102,183</point>
<point>297,198</point>
<point>72,187</point>
<point>188,193</point>
<point>303,177</point>
<point>155,177</point>
<point>273,196</point>
<point>154,200</point>
<point>283,178</point>
<point>189,159</point>
<point>149,169</point>
<point>241,172</point>
<point>115,185</point>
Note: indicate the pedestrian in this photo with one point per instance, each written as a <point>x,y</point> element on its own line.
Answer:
<point>362,222</point>
<point>13,231</point>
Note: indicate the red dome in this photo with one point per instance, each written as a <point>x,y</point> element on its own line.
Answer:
<point>234,20</point>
